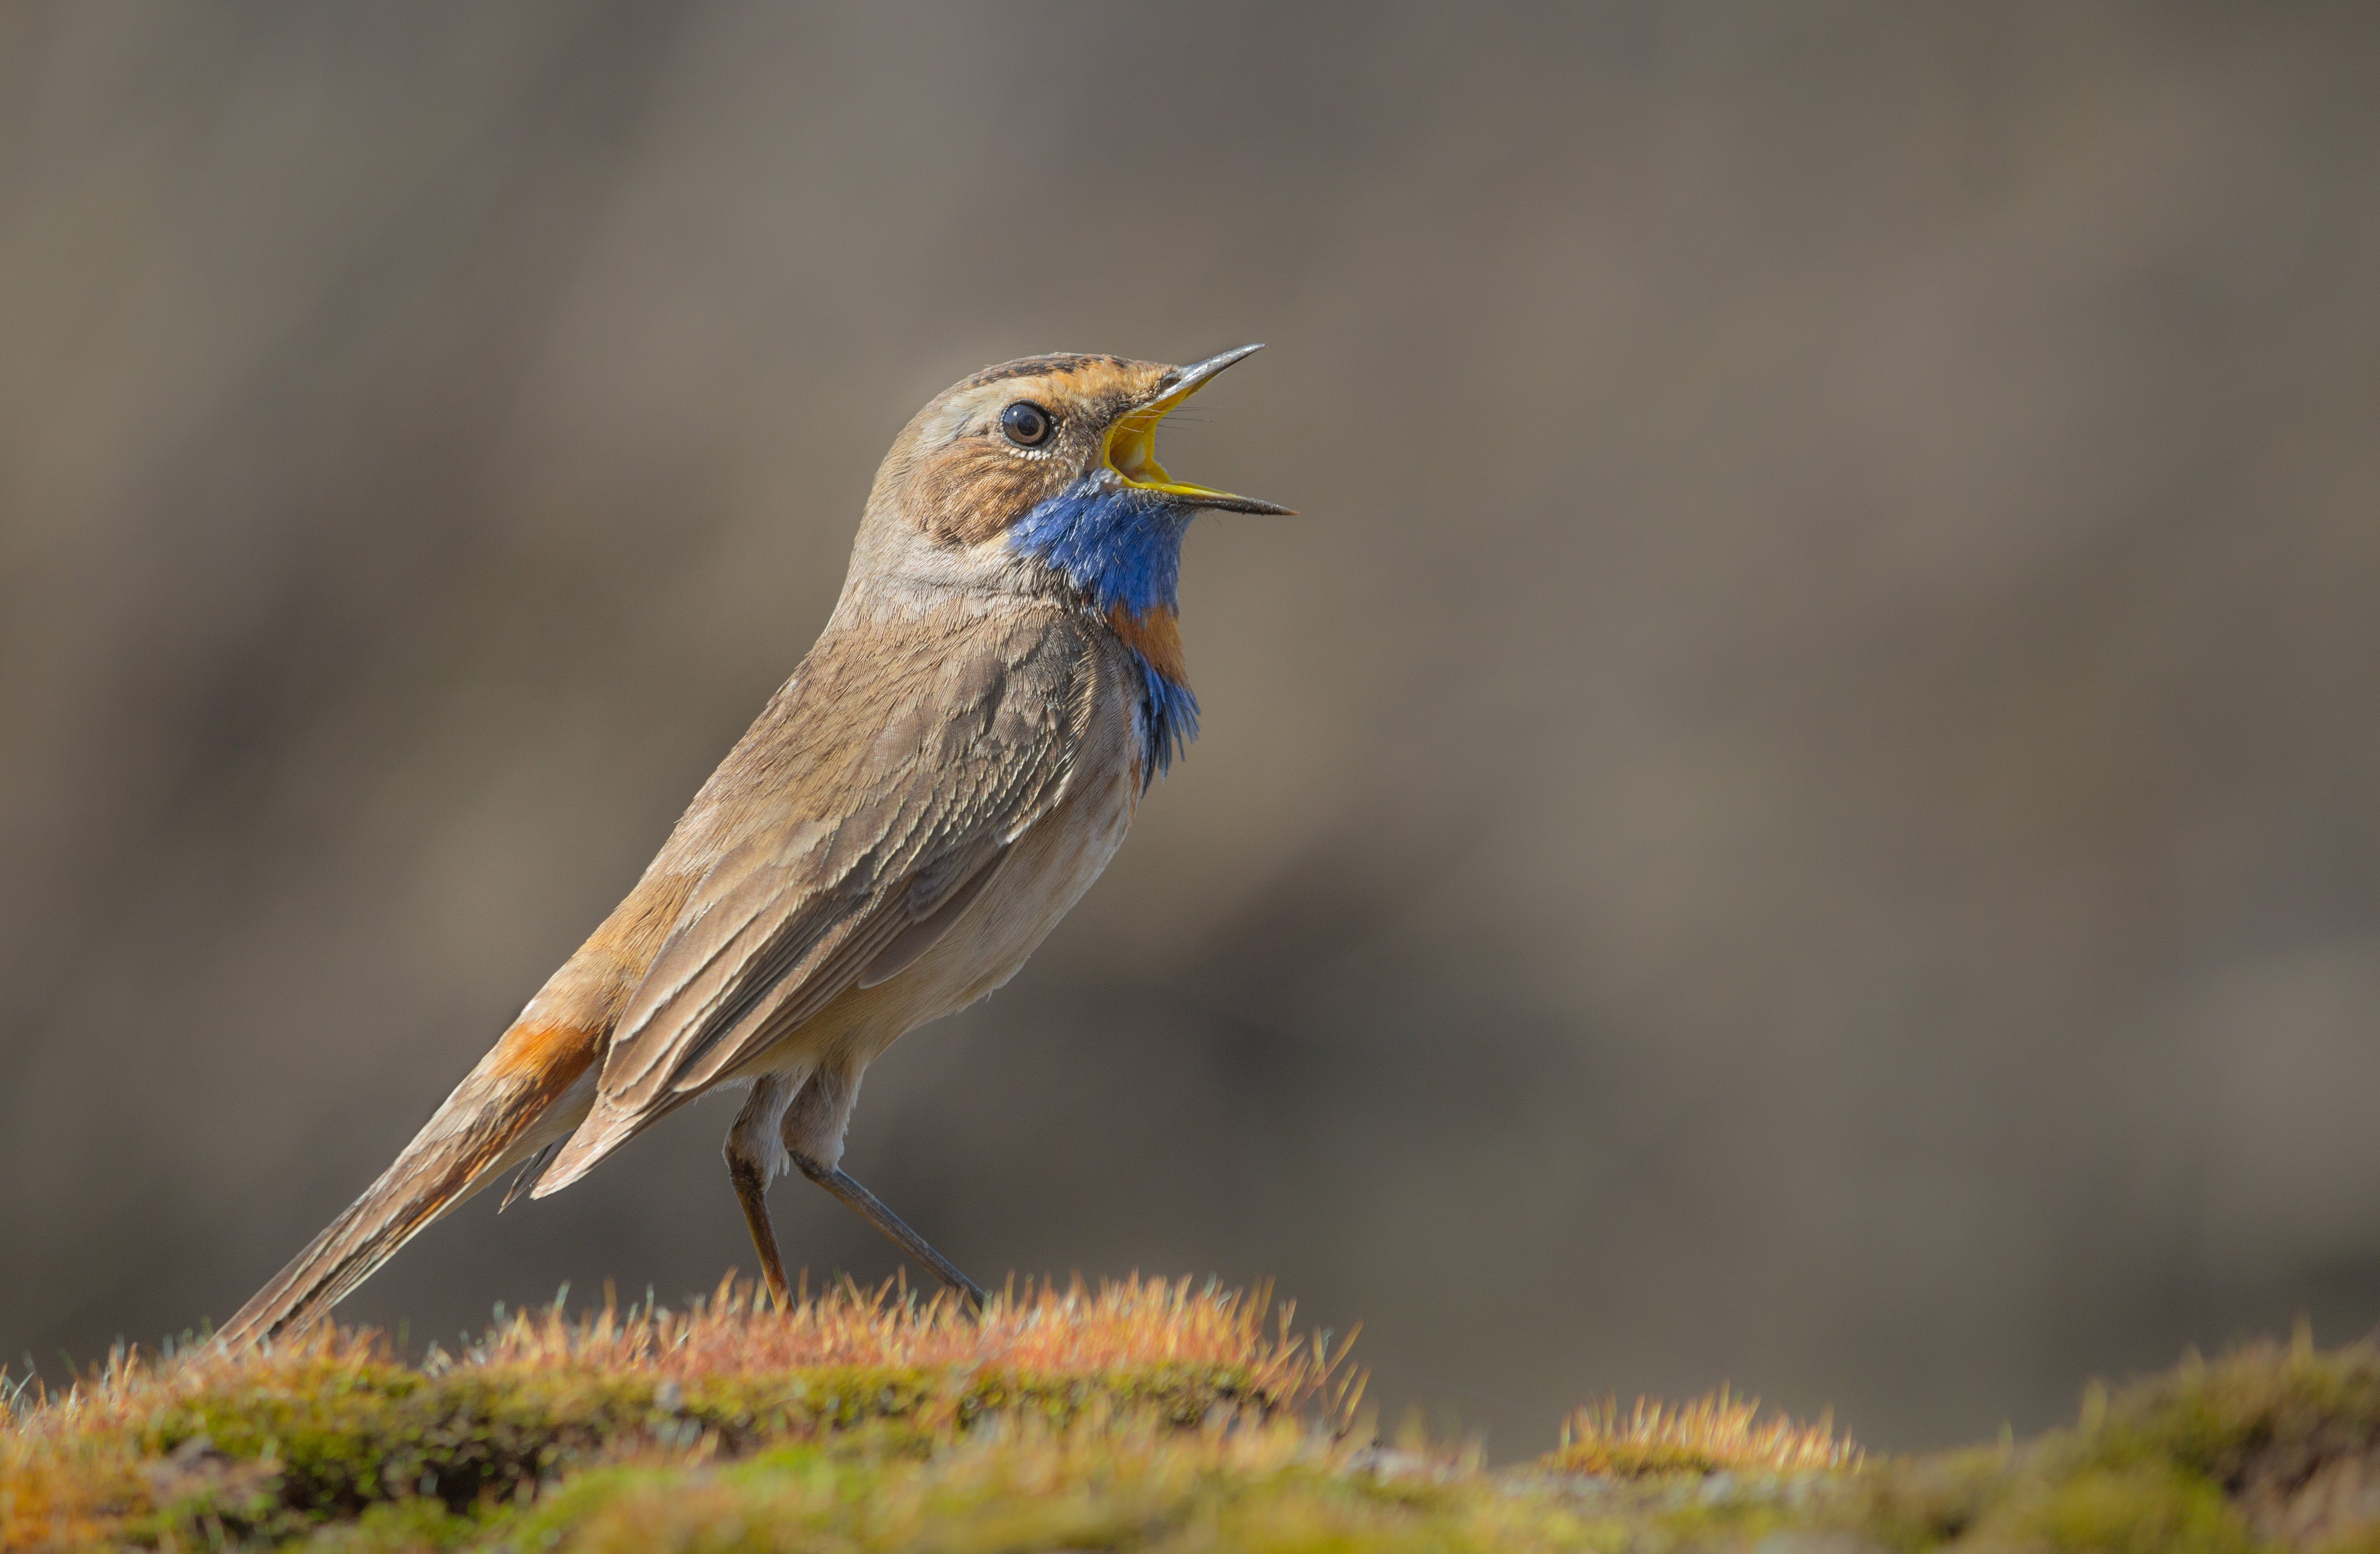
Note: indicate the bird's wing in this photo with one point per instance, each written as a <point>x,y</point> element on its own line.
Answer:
<point>855,822</point>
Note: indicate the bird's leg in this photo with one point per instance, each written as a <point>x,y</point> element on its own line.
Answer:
<point>813,1137</point>
<point>754,1155</point>
<point>751,1191</point>
<point>870,1207</point>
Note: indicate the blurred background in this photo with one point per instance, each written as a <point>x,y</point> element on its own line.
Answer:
<point>1801,808</point>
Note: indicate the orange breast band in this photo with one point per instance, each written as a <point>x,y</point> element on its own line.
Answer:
<point>1157,637</point>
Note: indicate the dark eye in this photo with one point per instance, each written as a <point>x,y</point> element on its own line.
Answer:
<point>1027,424</point>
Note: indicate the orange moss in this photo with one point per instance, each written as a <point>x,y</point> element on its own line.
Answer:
<point>1713,1434</point>
<point>319,1424</point>
<point>1130,1325</point>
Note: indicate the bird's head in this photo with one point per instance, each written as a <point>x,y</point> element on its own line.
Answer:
<point>1042,474</point>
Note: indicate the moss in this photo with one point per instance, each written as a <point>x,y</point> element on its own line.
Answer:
<point>2268,1408</point>
<point>2151,1508</point>
<point>358,1440</point>
<point>412,1526</point>
<point>1120,1482</point>
<point>1717,1434</point>
<point>329,1443</point>
<point>215,1449</point>
<point>1142,1416</point>
<point>1931,1501</point>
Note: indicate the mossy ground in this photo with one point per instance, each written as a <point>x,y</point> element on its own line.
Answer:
<point>1144,1415</point>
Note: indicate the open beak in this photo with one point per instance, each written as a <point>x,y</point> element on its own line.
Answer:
<point>1132,442</point>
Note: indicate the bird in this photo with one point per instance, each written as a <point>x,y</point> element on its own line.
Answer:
<point>945,773</point>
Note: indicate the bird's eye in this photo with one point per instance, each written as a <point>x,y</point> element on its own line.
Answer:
<point>1027,424</point>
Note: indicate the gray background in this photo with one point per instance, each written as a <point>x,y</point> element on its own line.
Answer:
<point>1802,807</point>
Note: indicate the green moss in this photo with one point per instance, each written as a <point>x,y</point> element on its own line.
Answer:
<point>390,1434</point>
<point>399,1527</point>
<point>2265,1407</point>
<point>342,1448</point>
<point>331,1443</point>
<point>336,1442</point>
<point>1922,1503</point>
<point>1021,1494</point>
<point>2152,1508</point>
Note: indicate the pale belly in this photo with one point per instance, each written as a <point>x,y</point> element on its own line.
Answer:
<point>1047,871</point>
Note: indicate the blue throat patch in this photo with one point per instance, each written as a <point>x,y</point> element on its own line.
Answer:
<point>1172,714</point>
<point>1123,549</point>
<point>1118,545</point>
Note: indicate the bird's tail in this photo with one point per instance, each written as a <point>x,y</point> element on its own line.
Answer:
<point>527,1095</point>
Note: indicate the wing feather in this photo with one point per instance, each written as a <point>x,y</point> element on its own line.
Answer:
<point>883,785</point>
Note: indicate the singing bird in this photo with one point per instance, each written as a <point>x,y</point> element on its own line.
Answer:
<point>945,773</point>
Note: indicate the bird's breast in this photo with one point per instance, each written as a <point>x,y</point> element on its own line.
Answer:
<point>1045,873</point>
